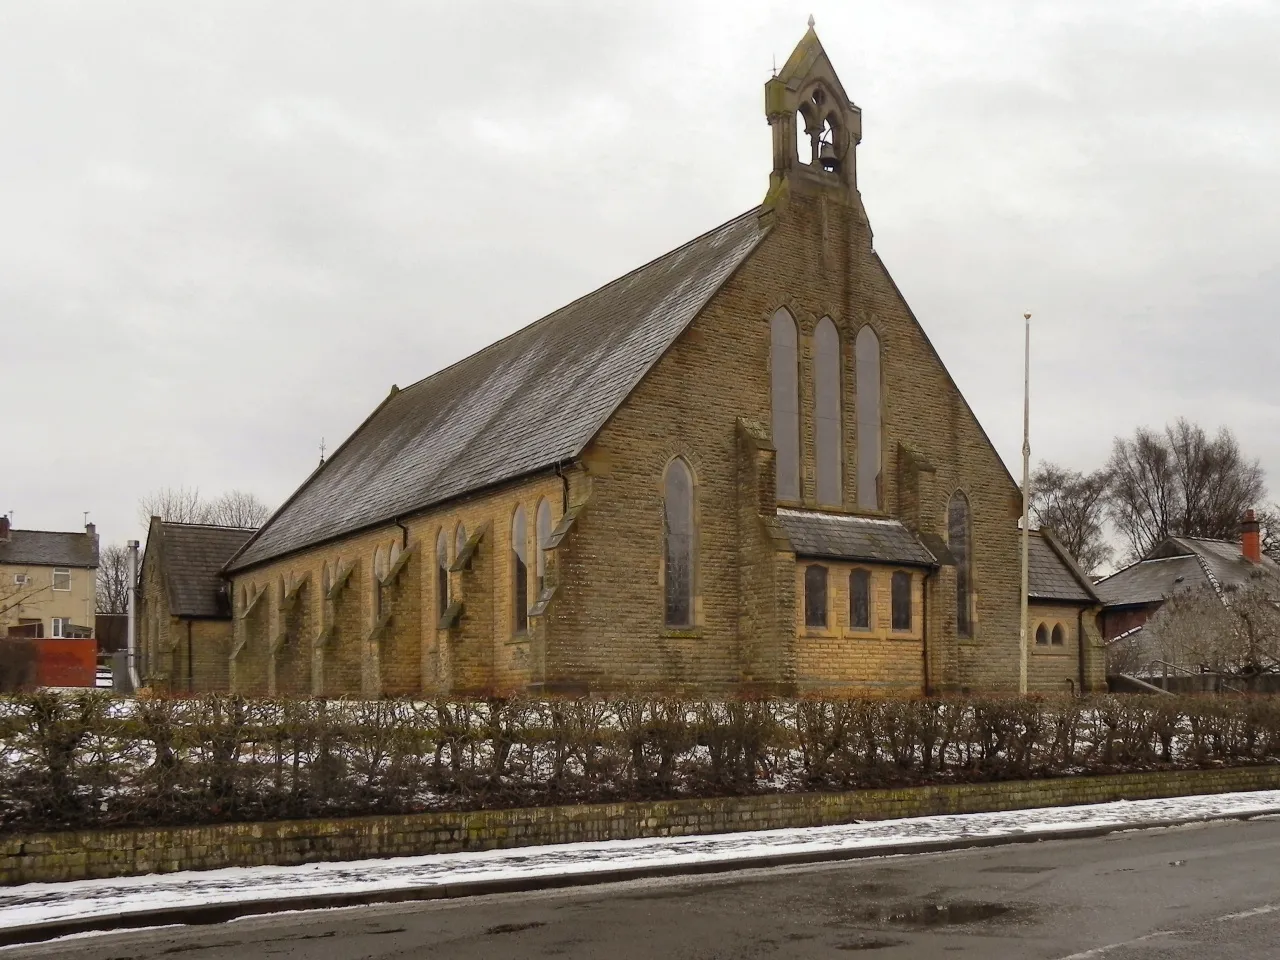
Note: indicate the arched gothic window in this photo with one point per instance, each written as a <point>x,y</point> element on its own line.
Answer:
<point>678,544</point>
<point>960,541</point>
<point>867,363</point>
<point>860,599</point>
<point>442,573</point>
<point>1042,635</point>
<point>519,572</point>
<point>542,533</point>
<point>1059,636</point>
<point>900,600</point>
<point>826,400</point>
<point>815,595</point>
<point>784,363</point>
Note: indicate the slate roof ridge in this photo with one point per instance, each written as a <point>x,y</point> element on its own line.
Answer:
<point>61,533</point>
<point>207,526</point>
<point>834,515</point>
<point>487,348</point>
<point>471,425</point>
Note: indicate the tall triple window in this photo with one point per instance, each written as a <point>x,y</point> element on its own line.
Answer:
<point>784,357</point>
<point>519,572</point>
<point>900,600</point>
<point>815,595</point>
<point>860,599</point>
<point>679,546</point>
<point>960,542</point>
<point>826,409</point>
<point>867,370</point>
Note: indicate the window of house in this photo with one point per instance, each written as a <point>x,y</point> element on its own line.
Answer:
<point>61,578</point>
<point>519,572</point>
<point>442,573</point>
<point>901,600</point>
<point>860,599</point>
<point>827,426</point>
<point>542,533</point>
<point>784,358</point>
<point>958,540</point>
<point>1042,635</point>
<point>866,350</point>
<point>678,549</point>
<point>59,626</point>
<point>815,595</point>
<point>1059,636</point>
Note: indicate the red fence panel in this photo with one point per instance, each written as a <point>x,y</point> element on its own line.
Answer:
<point>67,663</point>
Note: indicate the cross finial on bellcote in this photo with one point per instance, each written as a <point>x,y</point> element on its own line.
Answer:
<point>811,23</point>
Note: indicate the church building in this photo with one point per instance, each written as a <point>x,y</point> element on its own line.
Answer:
<point>740,468</point>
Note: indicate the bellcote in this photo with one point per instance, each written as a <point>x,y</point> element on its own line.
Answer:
<point>816,127</point>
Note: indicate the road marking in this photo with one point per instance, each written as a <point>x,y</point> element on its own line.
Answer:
<point>1255,912</point>
<point>1100,951</point>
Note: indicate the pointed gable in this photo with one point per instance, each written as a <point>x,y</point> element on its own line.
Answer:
<point>523,404</point>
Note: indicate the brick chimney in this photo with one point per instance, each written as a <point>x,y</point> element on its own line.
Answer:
<point>1250,542</point>
<point>4,529</point>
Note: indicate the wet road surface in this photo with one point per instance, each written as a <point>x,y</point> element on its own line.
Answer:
<point>1207,891</point>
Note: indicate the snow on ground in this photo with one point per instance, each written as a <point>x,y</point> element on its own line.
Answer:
<point>43,902</point>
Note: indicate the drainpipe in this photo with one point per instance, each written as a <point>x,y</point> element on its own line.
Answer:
<point>1080,647</point>
<point>131,641</point>
<point>564,480</point>
<point>924,629</point>
<point>404,534</point>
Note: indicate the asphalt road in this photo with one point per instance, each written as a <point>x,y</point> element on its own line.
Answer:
<point>1205,891</point>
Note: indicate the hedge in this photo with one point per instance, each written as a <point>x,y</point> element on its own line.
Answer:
<point>93,760</point>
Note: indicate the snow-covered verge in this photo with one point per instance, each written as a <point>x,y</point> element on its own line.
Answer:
<point>49,902</point>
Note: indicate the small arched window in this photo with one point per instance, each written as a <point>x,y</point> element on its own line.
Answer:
<point>1059,636</point>
<point>815,595</point>
<point>519,572</point>
<point>860,599</point>
<point>1042,635</point>
<point>784,358</point>
<point>900,589</point>
<point>678,545</point>
<point>542,533</point>
<point>867,363</point>
<point>826,399</point>
<point>442,573</point>
<point>959,541</point>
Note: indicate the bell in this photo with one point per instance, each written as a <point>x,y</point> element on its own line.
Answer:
<point>827,157</point>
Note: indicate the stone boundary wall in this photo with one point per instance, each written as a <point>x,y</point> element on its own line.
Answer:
<point>87,854</point>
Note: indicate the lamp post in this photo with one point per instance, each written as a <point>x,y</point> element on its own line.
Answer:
<point>1026,505</point>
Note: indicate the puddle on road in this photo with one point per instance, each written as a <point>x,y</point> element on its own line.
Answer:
<point>930,914</point>
<point>878,943</point>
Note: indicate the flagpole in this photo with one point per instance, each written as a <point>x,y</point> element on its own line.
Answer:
<point>1026,505</point>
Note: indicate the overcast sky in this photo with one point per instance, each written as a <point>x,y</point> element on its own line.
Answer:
<point>226,228</point>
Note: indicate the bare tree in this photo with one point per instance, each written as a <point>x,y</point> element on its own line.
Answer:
<point>113,579</point>
<point>1236,633</point>
<point>236,508</point>
<point>175,504</point>
<point>1180,482</point>
<point>1073,505</point>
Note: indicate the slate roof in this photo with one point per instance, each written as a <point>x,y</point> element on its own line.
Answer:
<point>193,556</point>
<point>1181,563</point>
<point>843,537</point>
<point>1050,576</point>
<point>521,405</point>
<point>45,548</point>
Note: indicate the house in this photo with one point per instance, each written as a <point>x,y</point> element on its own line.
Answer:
<point>48,582</point>
<point>184,610</point>
<point>1132,595</point>
<point>741,467</point>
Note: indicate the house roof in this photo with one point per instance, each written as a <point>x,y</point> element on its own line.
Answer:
<point>1181,563</point>
<point>45,548</point>
<point>840,536</point>
<point>523,404</point>
<point>1052,574</point>
<point>193,555</point>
